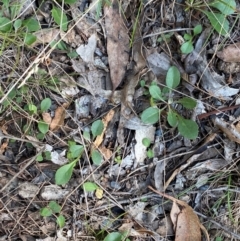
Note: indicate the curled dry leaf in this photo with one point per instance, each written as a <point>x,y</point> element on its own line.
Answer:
<point>231,53</point>
<point>117,43</point>
<point>47,117</point>
<point>186,223</point>
<point>59,117</point>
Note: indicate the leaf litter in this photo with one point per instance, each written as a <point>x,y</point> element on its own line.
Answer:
<point>100,67</point>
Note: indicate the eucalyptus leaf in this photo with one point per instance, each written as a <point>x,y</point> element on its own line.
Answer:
<point>64,173</point>
<point>5,24</point>
<point>150,115</point>
<point>197,29</point>
<point>29,38</point>
<point>173,77</point>
<point>96,157</point>
<point>187,47</point>
<point>45,212</point>
<point>114,236</point>
<point>60,221</point>
<point>55,207</point>
<point>31,24</point>
<point>43,127</point>
<point>172,118</point>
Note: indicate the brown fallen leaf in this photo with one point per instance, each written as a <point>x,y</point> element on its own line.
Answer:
<point>186,223</point>
<point>59,117</point>
<point>117,43</point>
<point>231,53</point>
<point>47,117</point>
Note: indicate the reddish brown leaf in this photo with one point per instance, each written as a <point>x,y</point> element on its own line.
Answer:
<point>117,43</point>
<point>47,117</point>
<point>59,117</point>
<point>186,223</point>
<point>231,53</point>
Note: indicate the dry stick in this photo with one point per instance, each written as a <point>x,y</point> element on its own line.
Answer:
<point>227,230</point>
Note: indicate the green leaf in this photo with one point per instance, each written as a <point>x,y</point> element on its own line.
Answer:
<point>150,115</point>
<point>173,77</point>
<point>29,38</point>
<point>96,157</point>
<point>45,212</point>
<point>39,158</point>
<point>187,102</point>
<point>17,24</point>
<point>31,24</point>
<point>218,22</point>
<point>43,127</point>
<point>45,104</point>
<point>150,153</point>
<point>226,7</point>
<point>172,118</point>
<point>70,1</point>
<point>97,128</point>
<point>187,36</point>
<point>187,47</point>
<point>32,109</point>
<point>5,24</point>
<point>60,18</point>
<point>47,155</point>
<point>76,151</point>
<point>64,173</point>
<point>188,128</point>
<point>114,236</point>
<point>155,92</point>
<point>146,142</point>
<point>56,208</point>
<point>90,186</point>
<point>197,29</point>
<point>86,135</point>
<point>60,221</point>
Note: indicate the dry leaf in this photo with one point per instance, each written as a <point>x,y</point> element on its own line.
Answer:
<point>106,152</point>
<point>117,43</point>
<point>186,223</point>
<point>47,117</point>
<point>45,36</point>
<point>231,53</point>
<point>3,147</point>
<point>59,117</point>
<point>99,193</point>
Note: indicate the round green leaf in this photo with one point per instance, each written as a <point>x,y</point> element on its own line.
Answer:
<point>187,36</point>
<point>97,128</point>
<point>146,142</point>
<point>188,128</point>
<point>96,157</point>
<point>197,29</point>
<point>76,151</point>
<point>56,208</point>
<point>64,173</point>
<point>218,22</point>
<point>187,47</point>
<point>43,127</point>
<point>29,38</point>
<point>114,236</point>
<point>173,77</point>
<point>46,104</point>
<point>39,158</point>
<point>90,186</point>
<point>17,24</point>
<point>226,7</point>
<point>60,18</point>
<point>60,221</point>
<point>45,212</point>
<point>150,115</point>
<point>5,24</point>
<point>155,92</point>
<point>31,24</point>
<point>86,135</point>
<point>150,153</point>
<point>187,102</point>
<point>172,118</point>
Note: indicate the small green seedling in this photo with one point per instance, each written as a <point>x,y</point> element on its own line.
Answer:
<point>218,20</point>
<point>117,236</point>
<point>147,142</point>
<point>151,115</point>
<point>53,209</point>
<point>187,47</point>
